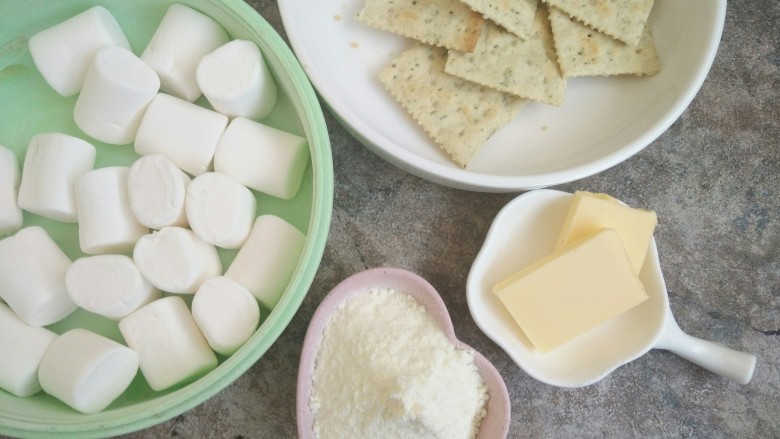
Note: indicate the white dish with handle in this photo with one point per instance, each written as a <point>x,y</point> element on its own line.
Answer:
<point>526,230</point>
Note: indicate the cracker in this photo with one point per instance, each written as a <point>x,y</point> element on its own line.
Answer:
<point>504,61</point>
<point>516,16</point>
<point>621,19</point>
<point>460,116</point>
<point>444,23</point>
<point>583,51</point>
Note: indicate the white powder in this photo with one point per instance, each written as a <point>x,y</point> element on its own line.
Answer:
<point>386,370</point>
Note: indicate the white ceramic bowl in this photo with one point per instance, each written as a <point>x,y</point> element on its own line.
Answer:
<point>603,121</point>
<point>526,230</point>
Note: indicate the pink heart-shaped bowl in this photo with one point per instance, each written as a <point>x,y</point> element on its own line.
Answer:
<point>495,424</point>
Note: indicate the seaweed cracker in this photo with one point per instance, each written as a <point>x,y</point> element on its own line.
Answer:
<point>516,16</point>
<point>583,51</point>
<point>459,115</point>
<point>525,68</point>
<point>444,23</point>
<point>620,19</point>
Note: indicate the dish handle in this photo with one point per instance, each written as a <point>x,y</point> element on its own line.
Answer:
<point>715,357</point>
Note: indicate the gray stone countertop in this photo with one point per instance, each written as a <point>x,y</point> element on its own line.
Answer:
<point>714,180</point>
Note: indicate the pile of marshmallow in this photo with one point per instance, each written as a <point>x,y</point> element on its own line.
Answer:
<point>190,192</point>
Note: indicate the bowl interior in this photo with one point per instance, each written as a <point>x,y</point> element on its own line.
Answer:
<point>31,106</point>
<point>602,122</point>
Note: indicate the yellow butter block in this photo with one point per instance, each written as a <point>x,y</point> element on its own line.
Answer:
<point>572,291</point>
<point>589,212</point>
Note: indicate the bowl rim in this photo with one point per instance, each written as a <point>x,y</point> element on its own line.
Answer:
<point>305,102</point>
<point>468,180</point>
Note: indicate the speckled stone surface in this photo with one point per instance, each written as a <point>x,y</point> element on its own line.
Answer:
<point>713,178</point>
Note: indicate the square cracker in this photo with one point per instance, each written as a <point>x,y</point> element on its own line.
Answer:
<point>460,116</point>
<point>504,61</point>
<point>516,16</point>
<point>583,51</point>
<point>621,19</point>
<point>444,23</point>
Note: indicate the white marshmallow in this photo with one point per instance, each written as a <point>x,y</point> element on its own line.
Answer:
<point>22,346</point>
<point>183,37</point>
<point>157,190</point>
<point>175,260</point>
<point>182,131</point>
<point>236,81</point>
<point>117,89</point>
<point>226,312</point>
<point>10,213</point>
<point>32,277</point>
<point>106,223</point>
<point>109,285</point>
<point>86,370</point>
<point>267,261</point>
<point>262,158</point>
<point>220,210</point>
<point>64,51</point>
<point>170,347</point>
<point>52,165</point>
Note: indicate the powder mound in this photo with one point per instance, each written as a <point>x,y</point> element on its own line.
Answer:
<point>385,370</point>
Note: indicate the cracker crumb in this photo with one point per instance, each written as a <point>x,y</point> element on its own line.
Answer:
<point>354,45</point>
<point>337,17</point>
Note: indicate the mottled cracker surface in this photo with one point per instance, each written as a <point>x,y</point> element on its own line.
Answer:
<point>460,116</point>
<point>621,19</point>
<point>516,16</point>
<point>503,61</point>
<point>583,51</point>
<point>442,23</point>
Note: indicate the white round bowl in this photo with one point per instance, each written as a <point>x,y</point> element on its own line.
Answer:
<point>603,121</point>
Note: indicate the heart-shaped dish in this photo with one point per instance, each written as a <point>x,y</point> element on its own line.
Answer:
<point>495,424</point>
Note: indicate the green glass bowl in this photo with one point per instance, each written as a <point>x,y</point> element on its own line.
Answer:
<point>29,106</point>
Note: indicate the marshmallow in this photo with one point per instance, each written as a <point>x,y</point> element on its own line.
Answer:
<point>170,347</point>
<point>220,210</point>
<point>32,277</point>
<point>182,131</point>
<point>183,37</point>
<point>266,262</point>
<point>109,285</point>
<point>106,223</point>
<point>52,165</point>
<point>175,260</point>
<point>87,371</point>
<point>262,158</point>
<point>157,190</point>
<point>64,51</point>
<point>236,81</point>
<point>117,89</point>
<point>22,346</point>
<point>226,313</point>
<point>10,213</point>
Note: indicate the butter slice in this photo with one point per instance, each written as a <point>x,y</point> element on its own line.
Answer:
<point>570,292</point>
<point>591,211</point>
